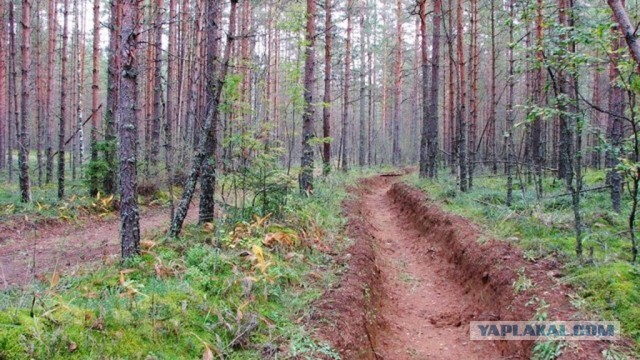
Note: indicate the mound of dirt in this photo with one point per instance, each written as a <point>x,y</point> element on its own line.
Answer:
<point>418,275</point>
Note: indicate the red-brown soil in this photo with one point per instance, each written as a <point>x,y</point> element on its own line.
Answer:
<point>418,275</point>
<point>63,247</point>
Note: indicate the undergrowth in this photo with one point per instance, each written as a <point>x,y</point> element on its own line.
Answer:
<point>239,288</point>
<point>606,282</point>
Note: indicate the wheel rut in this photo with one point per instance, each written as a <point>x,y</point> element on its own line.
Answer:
<point>423,311</point>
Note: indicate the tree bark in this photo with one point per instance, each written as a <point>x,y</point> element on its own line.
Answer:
<point>23,140</point>
<point>306,160</point>
<point>63,101</point>
<point>4,118</point>
<point>510,112</point>
<point>536,135</point>
<point>127,115</point>
<point>344,157</point>
<point>615,128</point>
<point>424,138</point>
<point>204,152</point>
<point>432,130</point>
<point>461,109</point>
<point>326,109</point>
<point>397,110</point>
<point>95,90</point>
<point>113,86</point>
<point>627,29</point>
<point>208,167</point>
<point>362,150</point>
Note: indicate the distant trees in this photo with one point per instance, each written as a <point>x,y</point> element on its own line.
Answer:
<point>495,87</point>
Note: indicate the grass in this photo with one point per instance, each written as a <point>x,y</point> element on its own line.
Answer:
<point>218,292</point>
<point>606,282</point>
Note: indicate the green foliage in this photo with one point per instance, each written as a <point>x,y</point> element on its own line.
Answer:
<point>547,350</point>
<point>96,170</point>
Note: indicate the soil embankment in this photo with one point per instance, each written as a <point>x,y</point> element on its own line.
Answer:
<point>418,275</point>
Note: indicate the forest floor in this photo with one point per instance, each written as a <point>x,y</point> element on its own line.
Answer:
<point>426,274</point>
<point>421,307</point>
<point>32,249</point>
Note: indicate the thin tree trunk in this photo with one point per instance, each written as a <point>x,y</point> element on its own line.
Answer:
<point>397,110</point>
<point>536,140</point>
<point>326,109</point>
<point>171,118</point>
<point>23,139</point>
<point>79,86</point>
<point>208,166</point>
<point>615,128</point>
<point>432,129</point>
<point>473,98</point>
<point>362,150</point>
<point>40,101</point>
<point>157,116</point>
<point>306,161</point>
<point>510,112</point>
<point>345,99</point>
<point>204,152</point>
<point>128,128</point>
<point>95,90</point>
<point>4,114</point>
<point>63,101</point>
<point>13,76</point>
<point>424,138</point>
<point>113,80</point>
<point>491,140</point>
<point>461,108</point>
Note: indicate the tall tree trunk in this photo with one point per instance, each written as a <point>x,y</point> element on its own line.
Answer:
<point>345,98</point>
<point>461,109</point>
<point>23,139</point>
<point>510,112</point>
<point>473,98</point>
<point>432,129</point>
<point>128,128</point>
<point>491,138</point>
<point>615,128</point>
<point>397,110</point>
<point>95,90</point>
<point>113,80</point>
<point>326,108</point>
<point>306,161</point>
<point>4,118</point>
<point>50,114</point>
<point>207,144</point>
<point>13,90</point>
<point>208,166</point>
<point>362,150</point>
<point>40,100</point>
<point>63,101</point>
<point>424,138</point>
<point>79,134</point>
<point>171,120</point>
<point>536,135</point>
<point>157,116</point>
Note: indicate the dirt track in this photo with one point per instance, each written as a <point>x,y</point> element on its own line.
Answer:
<point>418,275</point>
<point>63,246</point>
